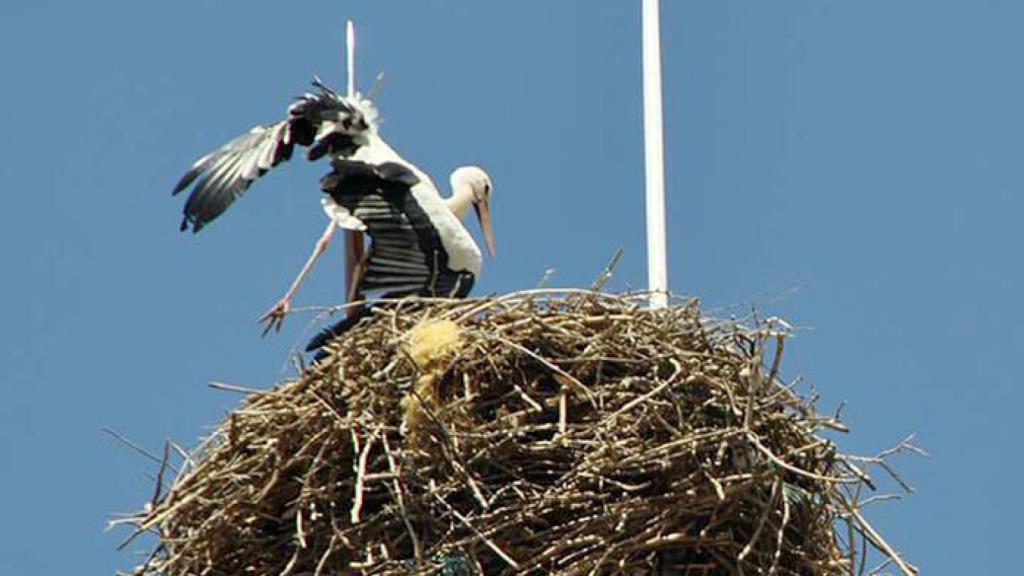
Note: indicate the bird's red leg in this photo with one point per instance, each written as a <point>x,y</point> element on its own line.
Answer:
<point>355,255</point>
<point>275,316</point>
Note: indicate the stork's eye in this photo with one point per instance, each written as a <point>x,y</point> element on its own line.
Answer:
<point>481,194</point>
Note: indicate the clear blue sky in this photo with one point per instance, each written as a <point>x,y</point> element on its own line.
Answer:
<point>866,151</point>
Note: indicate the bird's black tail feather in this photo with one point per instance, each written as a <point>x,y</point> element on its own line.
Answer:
<point>335,330</point>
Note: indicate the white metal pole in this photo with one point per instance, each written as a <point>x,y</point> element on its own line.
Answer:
<point>654,157</point>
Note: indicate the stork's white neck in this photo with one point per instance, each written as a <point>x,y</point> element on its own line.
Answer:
<point>461,198</point>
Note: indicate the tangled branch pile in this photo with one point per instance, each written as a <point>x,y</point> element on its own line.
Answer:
<point>536,433</point>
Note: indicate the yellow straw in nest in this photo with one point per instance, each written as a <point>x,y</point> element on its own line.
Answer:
<point>432,345</point>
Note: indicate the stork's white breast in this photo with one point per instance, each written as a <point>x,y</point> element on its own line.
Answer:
<point>458,243</point>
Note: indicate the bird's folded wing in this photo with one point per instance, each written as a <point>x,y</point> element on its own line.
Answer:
<point>402,258</point>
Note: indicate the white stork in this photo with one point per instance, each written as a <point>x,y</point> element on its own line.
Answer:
<point>418,243</point>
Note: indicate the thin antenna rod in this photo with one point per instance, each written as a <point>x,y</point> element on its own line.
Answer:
<point>350,56</point>
<point>654,157</point>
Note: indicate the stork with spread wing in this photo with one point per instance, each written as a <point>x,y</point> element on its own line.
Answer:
<point>419,245</point>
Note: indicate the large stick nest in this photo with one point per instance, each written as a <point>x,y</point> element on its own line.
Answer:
<point>537,433</point>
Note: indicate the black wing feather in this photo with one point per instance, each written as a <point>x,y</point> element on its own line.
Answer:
<point>225,174</point>
<point>406,256</point>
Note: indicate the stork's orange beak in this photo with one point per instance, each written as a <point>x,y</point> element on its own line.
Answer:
<point>483,213</point>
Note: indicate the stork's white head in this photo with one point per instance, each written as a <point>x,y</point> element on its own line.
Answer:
<point>471,186</point>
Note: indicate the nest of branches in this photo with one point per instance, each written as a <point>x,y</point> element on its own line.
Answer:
<point>536,433</point>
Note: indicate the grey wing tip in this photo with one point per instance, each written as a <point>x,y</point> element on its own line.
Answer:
<point>182,184</point>
<point>186,180</point>
<point>317,82</point>
<point>190,221</point>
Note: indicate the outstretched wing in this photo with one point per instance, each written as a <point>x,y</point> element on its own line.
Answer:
<point>326,122</point>
<point>405,255</point>
<point>226,173</point>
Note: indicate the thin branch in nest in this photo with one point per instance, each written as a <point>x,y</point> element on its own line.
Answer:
<point>876,539</point>
<point>360,469</point>
<point>397,492</point>
<point>769,507</point>
<point>483,537</point>
<point>225,387</point>
<point>606,274</point>
<point>139,449</point>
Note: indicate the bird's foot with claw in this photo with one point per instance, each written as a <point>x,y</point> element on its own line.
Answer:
<point>274,317</point>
